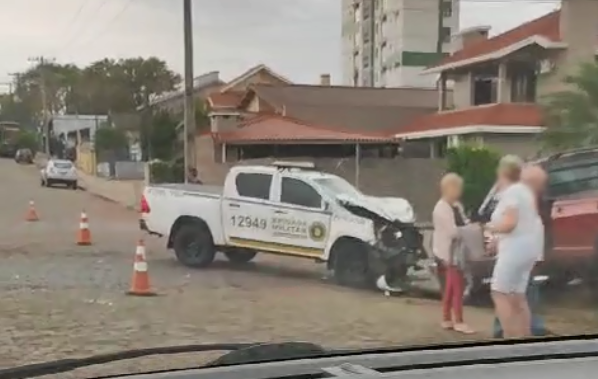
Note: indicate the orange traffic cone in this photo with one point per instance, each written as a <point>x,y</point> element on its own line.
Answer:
<point>84,235</point>
<point>140,285</point>
<point>31,213</point>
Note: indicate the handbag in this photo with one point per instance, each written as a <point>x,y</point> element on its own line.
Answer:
<point>472,238</point>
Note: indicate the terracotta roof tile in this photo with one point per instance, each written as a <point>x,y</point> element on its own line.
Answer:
<point>277,128</point>
<point>230,99</point>
<point>359,109</point>
<point>546,26</point>
<point>504,114</point>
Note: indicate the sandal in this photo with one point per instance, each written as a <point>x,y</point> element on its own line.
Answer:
<point>447,325</point>
<point>463,328</point>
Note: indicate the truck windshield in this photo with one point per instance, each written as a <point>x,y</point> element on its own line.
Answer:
<point>337,186</point>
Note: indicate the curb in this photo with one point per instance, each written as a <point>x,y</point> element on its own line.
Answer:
<point>106,198</point>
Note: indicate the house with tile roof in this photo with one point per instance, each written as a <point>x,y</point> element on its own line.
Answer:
<point>344,130</point>
<point>212,87</point>
<point>498,81</point>
<point>310,120</point>
<point>174,101</point>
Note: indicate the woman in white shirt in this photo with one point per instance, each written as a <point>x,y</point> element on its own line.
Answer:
<point>519,242</point>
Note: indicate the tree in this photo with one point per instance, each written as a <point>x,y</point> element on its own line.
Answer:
<point>109,139</point>
<point>571,116</point>
<point>13,109</point>
<point>27,140</point>
<point>106,86</point>
<point>162,137</point>
<point>476,165</point>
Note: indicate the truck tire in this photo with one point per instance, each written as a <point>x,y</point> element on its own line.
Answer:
<point>193,245</point>
<point>350,265</point>
<point>240,256</point>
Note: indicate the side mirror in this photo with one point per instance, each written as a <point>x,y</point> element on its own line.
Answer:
<point>326,206</point>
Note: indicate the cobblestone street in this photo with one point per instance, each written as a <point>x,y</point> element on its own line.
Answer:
<point>59,300</point>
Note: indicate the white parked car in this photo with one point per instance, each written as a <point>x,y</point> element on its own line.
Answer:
<point>288,209</point>
<point>59,171</point>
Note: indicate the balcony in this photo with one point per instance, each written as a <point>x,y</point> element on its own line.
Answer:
<point>513,81</point>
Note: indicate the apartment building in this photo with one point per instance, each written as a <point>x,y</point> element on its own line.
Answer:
<point>387,43</point>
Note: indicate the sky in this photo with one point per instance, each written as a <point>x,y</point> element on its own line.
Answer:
<point>298,39</point>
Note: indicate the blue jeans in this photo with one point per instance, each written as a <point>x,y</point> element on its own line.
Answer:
<point>533,299</point>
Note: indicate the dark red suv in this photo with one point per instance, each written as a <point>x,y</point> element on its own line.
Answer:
<point>570,214</point>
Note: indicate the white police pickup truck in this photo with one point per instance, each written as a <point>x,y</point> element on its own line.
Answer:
<point>288,208</point>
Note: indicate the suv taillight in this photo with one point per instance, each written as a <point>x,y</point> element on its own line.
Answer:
<point>144,206</point>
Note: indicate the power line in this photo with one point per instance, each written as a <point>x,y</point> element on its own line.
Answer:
<point>110,22</point>
<point>79,30</point>
<point>76,15</point>
<point>72,21</point>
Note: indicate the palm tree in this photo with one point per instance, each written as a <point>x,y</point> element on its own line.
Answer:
<point>571,116</point>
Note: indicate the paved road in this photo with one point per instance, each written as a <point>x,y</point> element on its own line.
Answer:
<point>60,300</point>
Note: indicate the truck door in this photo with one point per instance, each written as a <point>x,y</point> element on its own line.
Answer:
<point>300,222</point>
<point>245,214</point>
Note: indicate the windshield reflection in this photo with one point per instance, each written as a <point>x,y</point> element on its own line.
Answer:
<point>337,186</point>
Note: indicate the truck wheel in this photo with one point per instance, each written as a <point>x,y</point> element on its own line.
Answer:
<point>193,245</point>
<point>240,256</point>
<point>350,265</point>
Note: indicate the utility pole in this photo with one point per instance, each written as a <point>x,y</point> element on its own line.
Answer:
<point>15,82</point>
<point>41,64</point>
<point>189,141</point>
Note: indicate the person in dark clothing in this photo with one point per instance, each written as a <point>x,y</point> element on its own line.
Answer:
<point>192,176</point>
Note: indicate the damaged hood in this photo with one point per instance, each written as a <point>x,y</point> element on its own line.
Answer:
<point>389,208</point>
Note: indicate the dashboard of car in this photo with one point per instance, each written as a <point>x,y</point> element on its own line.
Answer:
<point>571,359</point>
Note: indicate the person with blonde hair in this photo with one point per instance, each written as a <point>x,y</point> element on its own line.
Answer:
<point>535,178</point>
<point>447,217</point>
<point>518,240</point>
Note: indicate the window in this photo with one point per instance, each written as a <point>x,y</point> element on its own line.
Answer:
<point>297,192</point>
<point>523,86</point>
<point>445,34</point>
<point>254,185</point>
<point>63,165</point>
<point>484,90</point>
<point>357,14</point>
<point>338,186</point>
<point>447,9</point>
<point>570,180</point>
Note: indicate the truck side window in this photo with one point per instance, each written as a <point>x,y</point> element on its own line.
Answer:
<point>297,192</point>
<point>254,185</point>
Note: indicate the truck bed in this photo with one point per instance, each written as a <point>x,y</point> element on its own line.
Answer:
<point>199,189</point>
